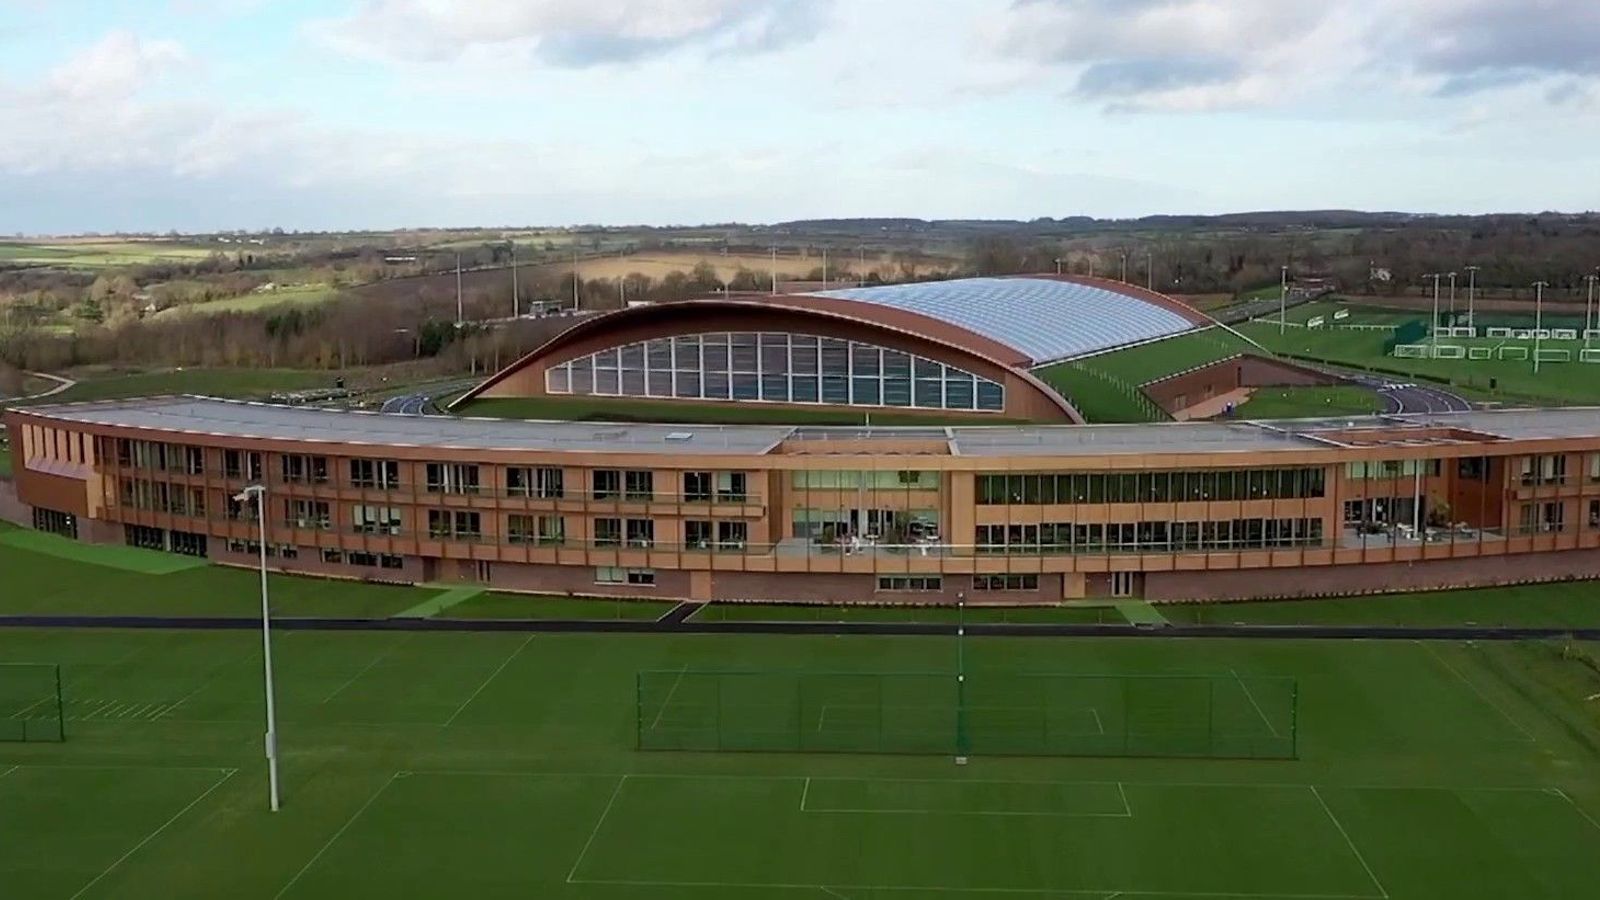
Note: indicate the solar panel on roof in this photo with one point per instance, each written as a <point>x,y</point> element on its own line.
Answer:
<point>1042,319</point>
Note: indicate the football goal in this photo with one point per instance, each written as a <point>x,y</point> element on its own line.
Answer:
<point>995,713</point>
<point>30,702</point>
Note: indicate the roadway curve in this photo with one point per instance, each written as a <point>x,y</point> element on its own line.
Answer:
<point>1406,397</point>
<point>407,405</point>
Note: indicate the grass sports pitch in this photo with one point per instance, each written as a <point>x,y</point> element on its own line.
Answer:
<point>486,765</point>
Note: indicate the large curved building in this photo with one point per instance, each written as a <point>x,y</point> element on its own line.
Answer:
<point>999,514</point>
<point>960,348</point>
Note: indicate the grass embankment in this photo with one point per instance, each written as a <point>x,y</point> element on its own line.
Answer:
<point>606,409</point>
<point>1106,388</point>
<point>235,383</point>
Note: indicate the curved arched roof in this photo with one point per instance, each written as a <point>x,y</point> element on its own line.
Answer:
<point>1041,318</point>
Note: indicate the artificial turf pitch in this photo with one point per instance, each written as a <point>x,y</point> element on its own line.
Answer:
<point>504,765</point>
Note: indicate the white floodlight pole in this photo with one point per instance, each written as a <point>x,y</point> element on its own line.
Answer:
<point>861,266</point>
<point>516,299</point>
<point>1452,299</point>
<point>1538,320</point>
<point>459,316</point>
<point>1149,270</point>
<point>1283,301</point>
<point>824,267</point>
<point>574,277</point>
<point>1433,326</point>
<point>1588,309</point>
<point>1058,265</point>
<point>1124,266</point>
<point>774,270</point>
<point>1472,290</point>
<point>259,492</point>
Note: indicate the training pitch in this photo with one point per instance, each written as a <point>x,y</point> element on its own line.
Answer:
<point>506,765</point>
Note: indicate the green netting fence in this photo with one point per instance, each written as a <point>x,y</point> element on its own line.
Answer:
<point>30,702</point>
<point>1002,714</point>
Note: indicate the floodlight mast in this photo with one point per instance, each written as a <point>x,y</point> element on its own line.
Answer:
<point>259,493</point>
<point>1538,320</point>
<point>962,749</point>
<point>1283,301</point>
<point>1472,290</point>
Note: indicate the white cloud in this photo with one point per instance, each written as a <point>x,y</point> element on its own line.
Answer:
<point>571,33</point>
<point>1203,55</point>
<point>117,65</point>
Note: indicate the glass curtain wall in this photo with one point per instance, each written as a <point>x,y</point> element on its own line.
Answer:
<point>778,368</point>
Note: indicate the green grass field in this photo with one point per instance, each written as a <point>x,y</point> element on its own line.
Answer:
<point>101,254</point>
<point>503,765</point>
<point>777,612</point>
<point>1569,382</point>
<point>603,409</point>
<point>1559,605</point>
<point>1301,402</point>
<point>300,295</point>
<point>211,382</point>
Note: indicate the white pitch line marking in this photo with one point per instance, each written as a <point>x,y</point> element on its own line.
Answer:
<point>1348,842</point>
<point>154,834</point>
<point>1252,698</point>
<point>336,835</point>
<point>367,668</point>
<point>595,832</point>
<point>656,722</point>
<point>468,702</point>
<point>1526,736</point>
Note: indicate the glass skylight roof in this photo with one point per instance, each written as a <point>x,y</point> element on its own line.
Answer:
<point>1042,319</point>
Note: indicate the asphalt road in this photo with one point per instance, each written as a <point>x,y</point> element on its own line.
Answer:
<point>408,405</point>
<point>1405,397</point>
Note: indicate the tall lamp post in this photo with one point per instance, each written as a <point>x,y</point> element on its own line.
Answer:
<point>1538,320</point>
<point>961,678</point>
<point>1283,301</point>
<point>516,296</point>
<point>1452,299</point>
<point>1472,290</point>
<point>1588,308</point>
<point>1433,324</point>
<point>259,493</point>
<point>1124,267</point>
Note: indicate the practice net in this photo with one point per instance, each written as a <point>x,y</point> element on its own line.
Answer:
<point>30,702</point>
<point>1002,714</point>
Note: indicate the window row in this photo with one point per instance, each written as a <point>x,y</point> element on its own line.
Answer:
<point>775,367</point>
<point>1378,469</point>
<point>1025,582</point>
<point>914,583</point>
<point>161,457</point>
<point>159,496</point>
<point>1151,487</point>
<point>1150,537</point>
<point>850,480</point>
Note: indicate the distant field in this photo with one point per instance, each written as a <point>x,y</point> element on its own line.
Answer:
<point>1304,402</point>
<point>1512,380</point>
<point>300,295</point>
<point>212,382</point>
<point>603,409</point>
<point>90,255</point>
<point>790,266</point>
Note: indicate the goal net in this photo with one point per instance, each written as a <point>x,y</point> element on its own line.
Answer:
<point>30,702</point>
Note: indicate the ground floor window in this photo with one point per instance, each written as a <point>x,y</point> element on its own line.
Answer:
<point>623,575</point>
<point>188,543</point>
<point>332,556</point>
<point>1124,584</point>
<point>910,583</point>
<point>55,522</point>
<point>144,536</point>
<point>1028,582</point>
<point>390,561</point>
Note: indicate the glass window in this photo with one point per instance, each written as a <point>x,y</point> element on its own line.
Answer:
<point>866,391</point>
<point>746,387</point>
<point>775,387</point>
<point>896,391</point>
<point>958,391</point>
<point>835,388</point>
<point>928,393</point>
<point>803,354</point>
<point>806,389</point>
<point>715,385</point>
<point>991,397</point>
<point>865,359</point>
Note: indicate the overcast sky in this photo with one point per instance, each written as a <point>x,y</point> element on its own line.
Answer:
<point>208,114</point>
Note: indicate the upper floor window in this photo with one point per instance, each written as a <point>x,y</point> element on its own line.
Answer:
<point>375,473</point>
<point>306,469</point>
<point>452,478</point>
<point>723,487</point>
<point>242,465</point>
<point>544,483</point>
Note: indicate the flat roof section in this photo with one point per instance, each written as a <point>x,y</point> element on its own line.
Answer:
<point>241,419</point>
<point>234,418</point>
<point>1043,319</point>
